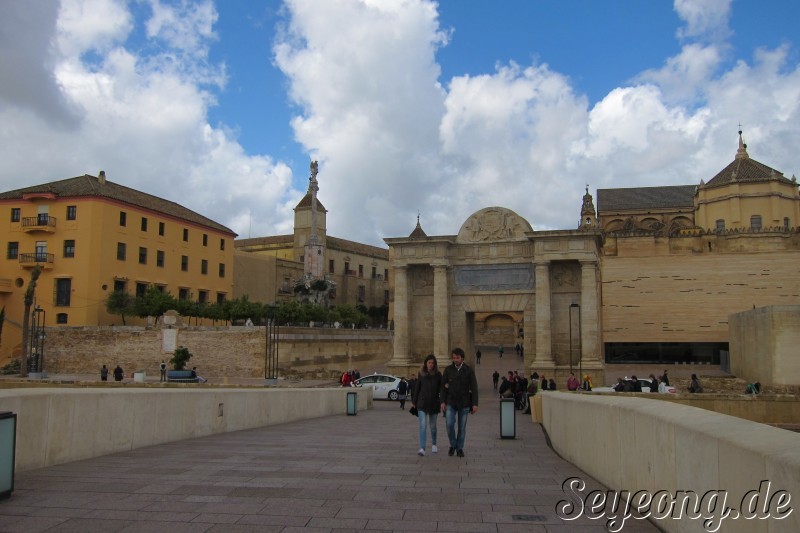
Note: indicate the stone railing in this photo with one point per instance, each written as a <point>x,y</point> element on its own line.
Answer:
<point>59,425</point>
<point>664,449</point>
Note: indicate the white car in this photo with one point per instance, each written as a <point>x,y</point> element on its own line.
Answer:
<point>645,383</point>
<point>384,386</point>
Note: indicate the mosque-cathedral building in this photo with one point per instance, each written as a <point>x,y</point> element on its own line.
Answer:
<point>650,276</point>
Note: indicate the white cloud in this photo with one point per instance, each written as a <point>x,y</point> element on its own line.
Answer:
<point>705,19</point>
<point>85,25</point>
<point>142,119</point>
<point>391,136</point>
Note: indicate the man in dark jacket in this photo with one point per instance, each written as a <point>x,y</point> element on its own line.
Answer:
<point>459,396</point>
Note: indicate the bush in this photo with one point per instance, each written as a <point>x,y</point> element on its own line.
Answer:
<point>180,358</point>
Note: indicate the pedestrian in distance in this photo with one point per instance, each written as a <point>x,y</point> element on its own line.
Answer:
<point>163,369</point>
<point>495,378</point>
<point>478,357</point>
<point>402,392</point>
<point>459,398</point>
<point>425,398</point>
<point>118,373</point>
<point>104,373</point>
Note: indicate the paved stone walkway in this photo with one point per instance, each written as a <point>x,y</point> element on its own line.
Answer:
<point>335,474</point>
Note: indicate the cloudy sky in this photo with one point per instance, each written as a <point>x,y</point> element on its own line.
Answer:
<point>409,105</point>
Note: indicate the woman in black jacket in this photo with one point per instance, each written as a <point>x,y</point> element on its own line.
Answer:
<point>425,397</point>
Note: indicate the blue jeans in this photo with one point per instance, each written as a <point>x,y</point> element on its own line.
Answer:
<point>451,413</point>
<point>427,419</point>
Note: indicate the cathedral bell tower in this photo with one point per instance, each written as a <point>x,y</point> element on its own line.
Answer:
<point>588,213</point>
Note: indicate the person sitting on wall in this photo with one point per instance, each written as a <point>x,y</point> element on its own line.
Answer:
<point>572,382</point>
<point>694,385</point>
<point>753,388</point>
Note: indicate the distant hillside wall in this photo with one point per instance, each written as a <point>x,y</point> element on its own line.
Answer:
<point>311,353</point>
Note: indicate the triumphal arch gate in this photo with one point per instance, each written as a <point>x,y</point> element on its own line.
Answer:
<point>498,265</point>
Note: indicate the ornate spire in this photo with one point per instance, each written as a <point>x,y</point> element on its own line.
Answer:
<point>588,213</point>
<point>418,231</point>
<point>741,153</point>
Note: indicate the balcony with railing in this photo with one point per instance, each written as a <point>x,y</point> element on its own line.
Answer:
<point>39,223</point>
<point>42,259</point>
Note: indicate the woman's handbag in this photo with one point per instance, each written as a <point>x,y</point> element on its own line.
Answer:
<point>413,411</point>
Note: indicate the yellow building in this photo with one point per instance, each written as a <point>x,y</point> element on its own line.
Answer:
<point>91,236</point>
<point>274,263</point>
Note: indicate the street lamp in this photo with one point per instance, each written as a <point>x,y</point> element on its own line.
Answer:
<point>36,344</point>
<point>271,349</point>
<point>576,307</point>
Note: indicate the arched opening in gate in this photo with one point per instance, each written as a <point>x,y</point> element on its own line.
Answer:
<point>487,331</point>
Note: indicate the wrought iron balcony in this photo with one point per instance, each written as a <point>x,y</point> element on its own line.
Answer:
<point>42,222</point>
<point>39,258</point>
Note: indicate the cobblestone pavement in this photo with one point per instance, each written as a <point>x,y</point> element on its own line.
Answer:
<point>333,474</point>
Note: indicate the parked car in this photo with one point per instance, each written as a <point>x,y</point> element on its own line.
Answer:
<point>645,383</point>
<point>384,386</point>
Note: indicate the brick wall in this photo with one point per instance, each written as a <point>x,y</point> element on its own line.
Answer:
<point>311,353</point>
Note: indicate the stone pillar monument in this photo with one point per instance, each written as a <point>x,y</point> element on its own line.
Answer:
<point>314,254</point>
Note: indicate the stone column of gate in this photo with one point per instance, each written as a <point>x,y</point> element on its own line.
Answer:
<point>400,353</point>
<point>544,354</point>
<point>441,312</point>
<point>590,316</point>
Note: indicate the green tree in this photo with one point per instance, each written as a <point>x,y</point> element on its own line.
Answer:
<point>290,312</point>
<point>180,357</point>
<point>120,303</point>
<point>153,302</point>
<point>30,293</point>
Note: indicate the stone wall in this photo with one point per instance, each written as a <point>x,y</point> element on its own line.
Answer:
<point>310,353</point>
<point>764,345</point>
<point>688,297</point>
<point>59,425</point>
<point>635,444</point>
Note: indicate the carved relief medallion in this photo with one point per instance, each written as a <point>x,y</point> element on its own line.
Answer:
<point>493,224</point>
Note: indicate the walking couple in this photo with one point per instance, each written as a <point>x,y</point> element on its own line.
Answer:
<point>453,393</point>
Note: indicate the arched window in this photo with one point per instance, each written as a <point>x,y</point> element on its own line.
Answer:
<point>786,223</point>
<point>755,222</point>
<point>720,225</point>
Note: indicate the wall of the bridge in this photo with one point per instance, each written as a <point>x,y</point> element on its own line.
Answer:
<point>637,444</point>
<point>60,425</point>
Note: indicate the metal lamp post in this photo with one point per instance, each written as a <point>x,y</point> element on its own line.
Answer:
<point>577,307</point>
<point>36,344</point>
<point>271,349</point>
